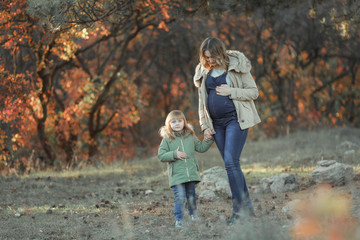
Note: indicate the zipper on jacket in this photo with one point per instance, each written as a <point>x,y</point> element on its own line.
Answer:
<point>187,169</point>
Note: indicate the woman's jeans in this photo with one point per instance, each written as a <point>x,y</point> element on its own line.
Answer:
<point>230,140</point>
<point>182,191</point>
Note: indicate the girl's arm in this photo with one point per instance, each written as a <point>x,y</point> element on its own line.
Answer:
<point>164,153</point>
<point>202,146</point>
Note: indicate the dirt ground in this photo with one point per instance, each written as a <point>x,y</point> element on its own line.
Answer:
<point>133,201</point>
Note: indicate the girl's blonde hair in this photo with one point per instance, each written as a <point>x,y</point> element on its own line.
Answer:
<point>217,50</point>
<point>166,131</point>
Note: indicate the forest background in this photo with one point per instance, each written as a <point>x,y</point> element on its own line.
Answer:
<point>88,82</point>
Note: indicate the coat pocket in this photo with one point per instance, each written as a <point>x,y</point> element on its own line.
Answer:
<point>170,169</point>
<point>244,111</point>
<point>246,104</point>
<point>197,166</point>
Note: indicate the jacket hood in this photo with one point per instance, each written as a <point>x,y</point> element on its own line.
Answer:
<point>238,62</point>
<point>184,133</point>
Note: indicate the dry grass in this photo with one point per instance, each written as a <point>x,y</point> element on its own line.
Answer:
<point>110,202</point>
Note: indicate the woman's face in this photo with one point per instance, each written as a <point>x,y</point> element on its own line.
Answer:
<point>211,60</point>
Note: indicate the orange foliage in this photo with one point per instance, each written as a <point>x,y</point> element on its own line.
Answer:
<point>301,107</point>
<point>306,228</point>
<point>286,72</point>
<point>326,214</point>
<point>164,12</point>
<point>27,102</point>
<point>266,34</point>
<point>162,25</point>
<point>288,118</point>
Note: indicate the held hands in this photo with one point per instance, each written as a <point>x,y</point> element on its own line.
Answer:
<point>207,135</point>
<point>223,90</point>
<point>181,155</point>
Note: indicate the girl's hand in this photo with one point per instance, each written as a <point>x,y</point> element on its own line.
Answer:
<point>207,135</point>
<point>181,155</point>
<point>223,90</point>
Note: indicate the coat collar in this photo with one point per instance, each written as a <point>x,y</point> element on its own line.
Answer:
<point>238,62</point>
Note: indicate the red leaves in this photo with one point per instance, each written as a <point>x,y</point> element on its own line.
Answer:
<point>9,44</point>
<point>162,25</point>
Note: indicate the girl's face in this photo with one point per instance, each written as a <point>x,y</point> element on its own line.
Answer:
<point>177,124</point>
<point>211,60</point>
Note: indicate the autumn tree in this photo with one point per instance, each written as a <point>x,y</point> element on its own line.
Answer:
<point>40,41</point>
<point>94,79</point>
<point>64,71</point>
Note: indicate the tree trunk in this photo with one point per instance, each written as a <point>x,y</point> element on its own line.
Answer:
<point>45,143</point>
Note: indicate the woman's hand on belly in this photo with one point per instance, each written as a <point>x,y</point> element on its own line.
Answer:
<point>223,90</point>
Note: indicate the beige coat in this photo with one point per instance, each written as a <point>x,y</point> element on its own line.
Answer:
<point>243,92</point>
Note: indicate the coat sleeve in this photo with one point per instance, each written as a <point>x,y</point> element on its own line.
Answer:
<point>198,76</point>
<point>164,153</point>
<point>202,146</point>
<point>246,88</point>
<point>249,90</point>
<point>201,107</point>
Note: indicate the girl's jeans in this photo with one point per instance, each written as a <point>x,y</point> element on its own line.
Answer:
<point>230,140</point>
<point>182,191</point>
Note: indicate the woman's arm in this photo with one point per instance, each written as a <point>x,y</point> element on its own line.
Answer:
<point>244,87</point>
<point>201,107</point>
<point>249,90</point>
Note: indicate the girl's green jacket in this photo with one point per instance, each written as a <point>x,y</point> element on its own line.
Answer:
<point>182,171</point>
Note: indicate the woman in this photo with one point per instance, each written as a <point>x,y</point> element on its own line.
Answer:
<point>227,92</point>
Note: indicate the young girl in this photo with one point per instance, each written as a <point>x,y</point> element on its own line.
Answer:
<point>177,149</point>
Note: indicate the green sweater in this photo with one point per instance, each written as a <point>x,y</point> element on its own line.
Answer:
<point>182,171</point>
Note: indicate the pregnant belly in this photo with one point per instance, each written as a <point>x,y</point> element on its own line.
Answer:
<point>219,106</point>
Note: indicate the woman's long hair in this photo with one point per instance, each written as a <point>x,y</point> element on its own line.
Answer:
<point>166,131</point>
<point>217,50</point>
